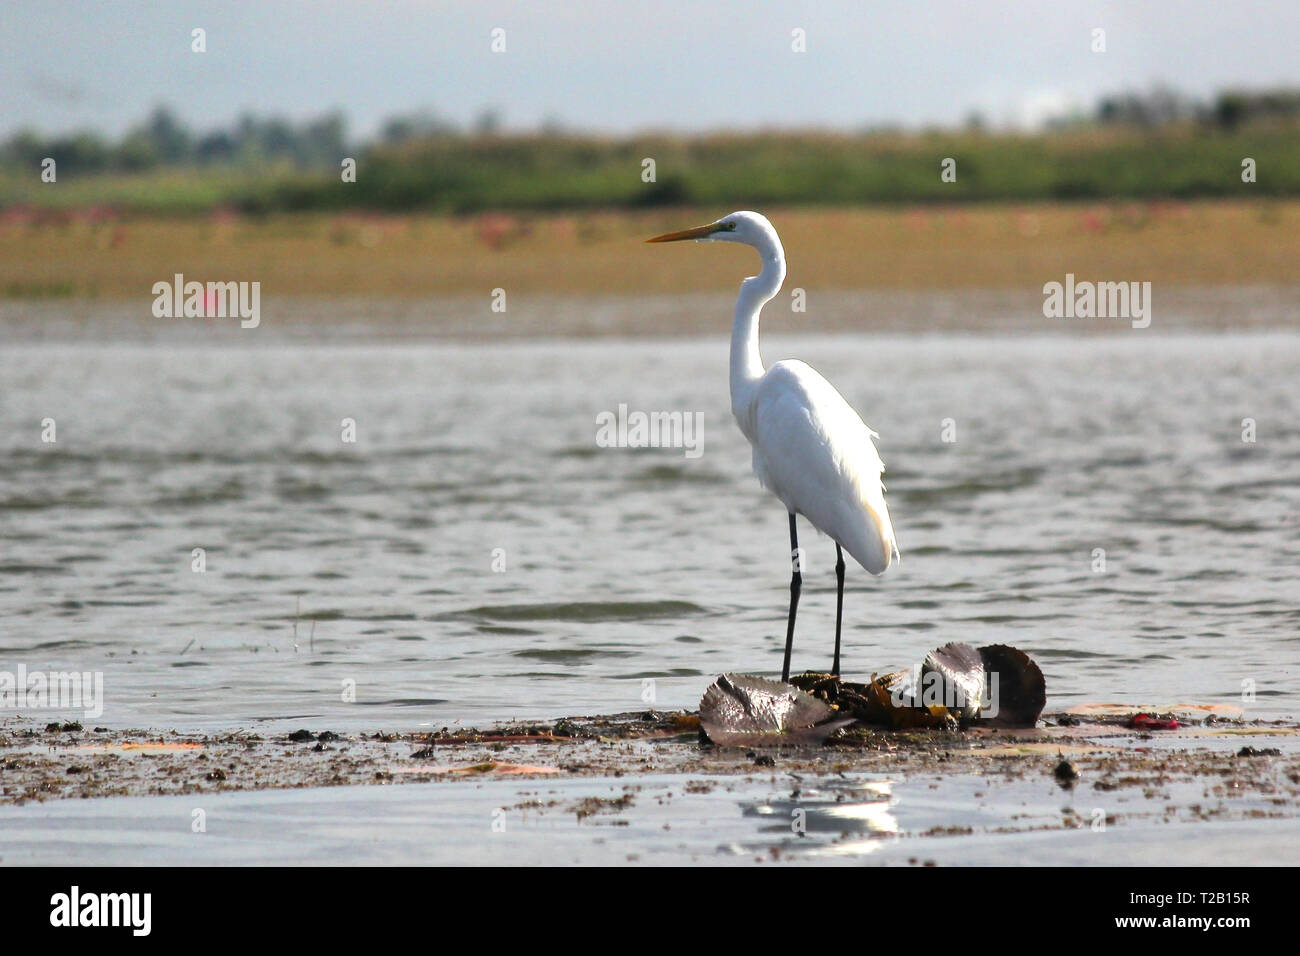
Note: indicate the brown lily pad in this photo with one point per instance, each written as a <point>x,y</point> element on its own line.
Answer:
<point>741,710</point>
<point>1016,687</point>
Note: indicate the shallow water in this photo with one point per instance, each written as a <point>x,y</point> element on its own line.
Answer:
<point>627,565</point>
<point>657,820</point>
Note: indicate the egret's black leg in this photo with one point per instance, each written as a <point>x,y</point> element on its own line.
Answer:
<point>796,583</point>
<point>839,606</point>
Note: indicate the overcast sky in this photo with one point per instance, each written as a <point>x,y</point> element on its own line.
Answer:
<point>623,65</point>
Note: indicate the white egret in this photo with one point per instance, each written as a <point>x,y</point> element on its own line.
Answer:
<point>811,449</point>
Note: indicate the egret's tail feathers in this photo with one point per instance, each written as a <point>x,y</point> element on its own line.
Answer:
<point>874,546</point>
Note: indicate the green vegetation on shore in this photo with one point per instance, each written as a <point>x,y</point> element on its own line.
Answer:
<point>1131,149</point>
<point>556,172</point>
<point>471,174</point>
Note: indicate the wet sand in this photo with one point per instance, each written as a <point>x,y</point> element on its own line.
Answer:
<point>1012,246</point>
<point>1186,309</point>
<point>643,786</point>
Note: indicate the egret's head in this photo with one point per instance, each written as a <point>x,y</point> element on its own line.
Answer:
<point>751,228</point>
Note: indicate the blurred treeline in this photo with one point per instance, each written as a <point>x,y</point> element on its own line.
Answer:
<point>1131,145</point>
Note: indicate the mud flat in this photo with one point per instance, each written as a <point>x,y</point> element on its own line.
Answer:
<point>1081,788</point>
<point>97,255</point>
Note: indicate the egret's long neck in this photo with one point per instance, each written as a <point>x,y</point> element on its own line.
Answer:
<point>746,362</point>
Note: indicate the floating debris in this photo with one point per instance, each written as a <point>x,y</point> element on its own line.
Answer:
<point>150,748</point>
<point>1152,722</point>
<point>1259,752</point>
<point>1066,773</point>
<point>1196,759</point>
<point>957,685</point>
<point>741,710</point>
<point>486,767</point>
<point>1123,714</point>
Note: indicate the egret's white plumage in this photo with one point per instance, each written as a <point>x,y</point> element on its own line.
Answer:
<point>813,452</point>
<point>811,449</point>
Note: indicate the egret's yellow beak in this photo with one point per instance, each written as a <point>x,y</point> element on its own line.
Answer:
<point>699,232</point>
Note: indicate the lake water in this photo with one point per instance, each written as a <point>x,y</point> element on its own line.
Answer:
<point>475,555</point>
<point>851,819</point>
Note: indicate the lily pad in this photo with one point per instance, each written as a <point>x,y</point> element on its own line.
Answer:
<point>741,710</point>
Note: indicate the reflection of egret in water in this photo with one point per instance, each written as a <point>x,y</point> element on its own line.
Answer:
<point>839,817</point>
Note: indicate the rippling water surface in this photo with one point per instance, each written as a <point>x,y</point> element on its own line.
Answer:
<point>622,565</point>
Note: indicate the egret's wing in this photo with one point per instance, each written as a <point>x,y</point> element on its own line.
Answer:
<point>815,453</point>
